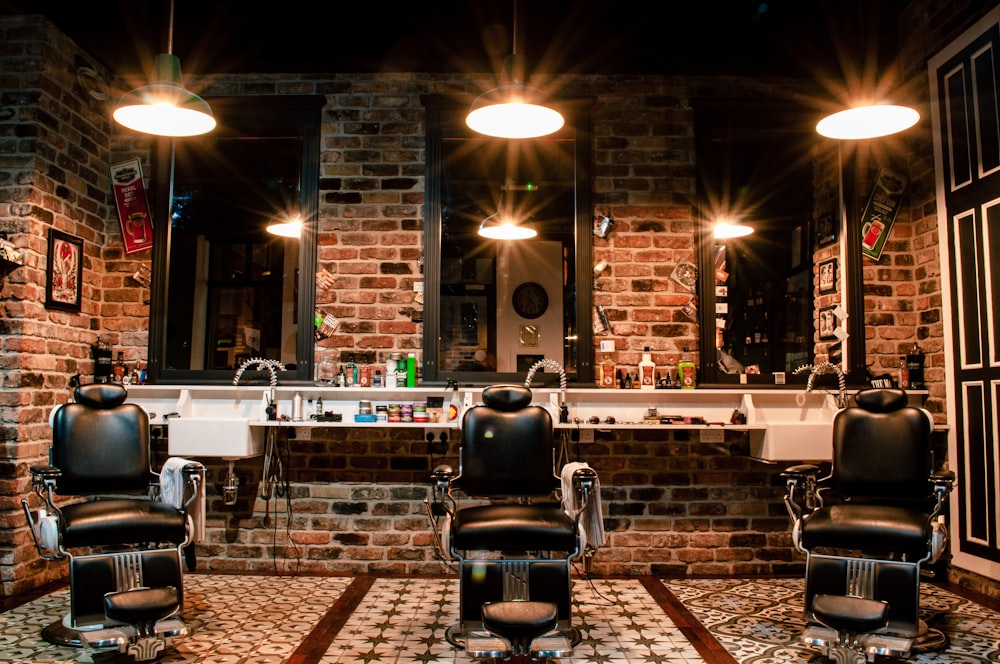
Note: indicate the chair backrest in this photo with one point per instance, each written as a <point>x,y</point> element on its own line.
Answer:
<point>507,446</point>
<point>100,443</point>
<point>882,448</point>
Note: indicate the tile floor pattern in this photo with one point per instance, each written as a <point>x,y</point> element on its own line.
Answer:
<point>758,621</point>
<point>340,620</point>
<point>404,620</point>
<point>259,619</point>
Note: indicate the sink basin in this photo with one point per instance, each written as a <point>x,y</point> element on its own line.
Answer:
<point>226,437</point>
<point>795,441</point>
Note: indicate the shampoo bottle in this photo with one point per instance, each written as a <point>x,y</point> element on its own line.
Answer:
<point>686,371</point>
<point>647,371</point>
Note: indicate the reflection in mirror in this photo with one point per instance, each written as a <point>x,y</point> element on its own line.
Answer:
<point>503,305</point>
<point>236,290</point>
<point>755,168</point>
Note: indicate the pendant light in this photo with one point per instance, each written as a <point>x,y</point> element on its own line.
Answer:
<point>725,229</point>
<point>871,121</point>
<point>502,225</point>
<point>513,109</point>
<point>165,107</point>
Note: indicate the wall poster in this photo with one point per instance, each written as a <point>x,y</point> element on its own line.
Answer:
<point>133,207</point>
<point>880,212</point>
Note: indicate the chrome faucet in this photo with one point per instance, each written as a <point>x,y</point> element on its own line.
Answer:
<point>262,364</point>
<point>826,367</point>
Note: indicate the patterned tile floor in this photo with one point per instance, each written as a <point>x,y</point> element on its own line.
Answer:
<point>758,621</point>
<point>336,620</point>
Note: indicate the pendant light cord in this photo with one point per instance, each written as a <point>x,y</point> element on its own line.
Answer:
<point>170,30</point>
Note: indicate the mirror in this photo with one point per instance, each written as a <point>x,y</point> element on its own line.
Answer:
<point>756,292</point>
<point>231,289</point>
<point>493,308</point>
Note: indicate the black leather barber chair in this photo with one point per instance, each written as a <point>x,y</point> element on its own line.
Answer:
<point>123,544</point>
<point>514,547</point>
<point>867,529</point>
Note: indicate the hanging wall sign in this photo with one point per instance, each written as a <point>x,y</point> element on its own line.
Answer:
<point>133,207</point>
<point>880,213</point>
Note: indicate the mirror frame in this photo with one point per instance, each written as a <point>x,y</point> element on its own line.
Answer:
<point>442,109</point>
<point>300,115</point>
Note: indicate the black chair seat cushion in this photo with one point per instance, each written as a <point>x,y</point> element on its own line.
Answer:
<point>514,528</point>
<point>520,620</point>
<point>121,521</point>
<point>851,614</point>
<point>868,527</point>
<point>141,605</point>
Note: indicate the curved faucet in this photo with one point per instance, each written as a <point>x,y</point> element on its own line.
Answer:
<point>826,367</point>
<point>271,366</point>
<point>551,364</point>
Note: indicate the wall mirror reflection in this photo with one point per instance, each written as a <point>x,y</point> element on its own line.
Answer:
<point>239,286</point>
<point>495,307</point>
<point>755,168</point>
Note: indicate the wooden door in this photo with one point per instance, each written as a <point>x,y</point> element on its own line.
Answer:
<point>965,97</point>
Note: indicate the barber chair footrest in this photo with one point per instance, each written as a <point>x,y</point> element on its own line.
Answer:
<point>870,644</point>
<point>127,638</point>
<point>483,645</point>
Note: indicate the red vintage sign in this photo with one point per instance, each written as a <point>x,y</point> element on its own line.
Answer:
<point>133,207</point>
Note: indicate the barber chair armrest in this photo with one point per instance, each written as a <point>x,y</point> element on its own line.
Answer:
<point>584,480</point>
<point>800,489</point>
<point>43,473</point>
<point>943,480</point>
<point>443,476</point>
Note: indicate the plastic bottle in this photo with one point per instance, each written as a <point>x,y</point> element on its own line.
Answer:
<point>411,370</point>
<point>686,371</point>
<point>297,407</point>
<point>904,374</point>
<point>455,405</point>
<point>608,364</point>
<point>647,371</point>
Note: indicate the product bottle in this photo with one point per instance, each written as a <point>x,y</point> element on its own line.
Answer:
<point>411,370</point>
<point>904,374</point>
<point>915,363</point>
<point>608,364</point>
<point>686,371</point>
<point>455,405</point>
<point>647,371</point>
<point>628,381</point>
<point>297,407</point>
<point>119,370</point>
<point>319,407</point>
<point>351,372</point>
<point>341,377</point>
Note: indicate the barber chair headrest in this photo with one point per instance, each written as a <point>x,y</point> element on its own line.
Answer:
<point>881,400</point>
<point>100,395</point>
<point>507,397</point>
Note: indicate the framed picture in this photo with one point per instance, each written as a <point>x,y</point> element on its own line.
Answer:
<point>826,231</point>
<point>827,323</point>
<point>64,271</point>
<point>828,276</point>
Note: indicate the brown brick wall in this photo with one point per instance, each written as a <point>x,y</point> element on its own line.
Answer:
<point>672,506</point>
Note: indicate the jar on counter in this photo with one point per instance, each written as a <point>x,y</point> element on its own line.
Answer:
<point>364,407</point>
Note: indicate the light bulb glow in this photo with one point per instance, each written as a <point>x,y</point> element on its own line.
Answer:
<point>868,122</point>
<point>515,120</point>
<point>728,229</point>
<point>164,119</point>
<point>506,230</point>
<point>286,229</point>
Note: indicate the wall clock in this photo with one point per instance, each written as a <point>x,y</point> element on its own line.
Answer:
<point>530,300</point>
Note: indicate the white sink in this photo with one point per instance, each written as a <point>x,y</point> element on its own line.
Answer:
<point>795,441</point>
<point>226,437</point>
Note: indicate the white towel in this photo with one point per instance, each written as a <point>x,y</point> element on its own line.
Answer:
<point>173,492</point>
<point>592,519</point>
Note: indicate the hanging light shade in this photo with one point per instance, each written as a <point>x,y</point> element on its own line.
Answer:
<point>496,227</point>
<point>165,107</point>
<point>872,121</point>
<point>286,228</point>
<point>513,109</point>
<point>724,230</point>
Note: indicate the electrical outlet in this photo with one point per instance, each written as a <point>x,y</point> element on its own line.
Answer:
<point>586,435</point>
<point>303,433</point>
<point>434,434</point>
<point>713,435</point>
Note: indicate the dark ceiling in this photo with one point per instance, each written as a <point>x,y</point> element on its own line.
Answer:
<point>747,37</point>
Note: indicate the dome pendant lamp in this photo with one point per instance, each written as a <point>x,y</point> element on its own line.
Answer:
<point>872,121</point>
<point>165,107</point>
<point>513,109</point>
